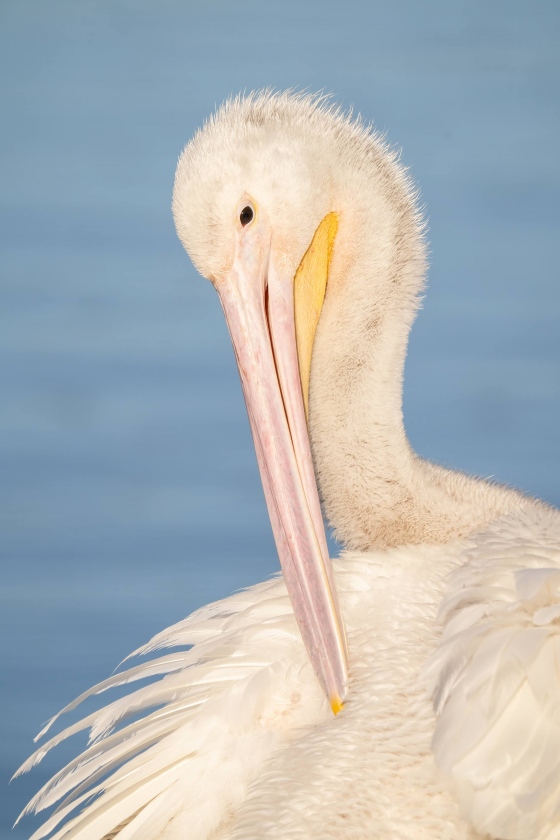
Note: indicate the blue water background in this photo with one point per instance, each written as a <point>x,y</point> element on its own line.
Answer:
<point>129,490</point>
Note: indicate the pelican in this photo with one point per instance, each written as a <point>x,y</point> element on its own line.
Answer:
<point>411,687</point>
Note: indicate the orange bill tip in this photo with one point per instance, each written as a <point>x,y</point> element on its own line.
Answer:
<point>336,704</point>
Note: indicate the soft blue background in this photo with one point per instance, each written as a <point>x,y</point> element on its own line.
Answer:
<point>129,488</point>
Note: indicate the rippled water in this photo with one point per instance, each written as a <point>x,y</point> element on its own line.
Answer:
<point>130,493</point>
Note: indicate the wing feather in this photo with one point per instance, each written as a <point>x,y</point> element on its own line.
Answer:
<point>495,679</point>
<point>210,715</point>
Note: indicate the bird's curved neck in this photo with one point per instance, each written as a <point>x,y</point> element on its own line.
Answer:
<point>376,491</point>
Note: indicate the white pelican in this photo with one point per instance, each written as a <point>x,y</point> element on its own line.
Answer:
<point>443,658</point>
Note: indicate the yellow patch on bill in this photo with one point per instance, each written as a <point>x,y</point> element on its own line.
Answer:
<point>310,284</point>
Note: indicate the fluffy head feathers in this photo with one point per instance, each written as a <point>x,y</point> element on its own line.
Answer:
<point>296,155</point>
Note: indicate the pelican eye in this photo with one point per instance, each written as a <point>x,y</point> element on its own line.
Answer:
<point>246,215</point>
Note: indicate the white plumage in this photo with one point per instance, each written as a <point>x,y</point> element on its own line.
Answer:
<point>449,591</point>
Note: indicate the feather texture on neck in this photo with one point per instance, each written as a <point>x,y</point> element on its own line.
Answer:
<point>376,491</point>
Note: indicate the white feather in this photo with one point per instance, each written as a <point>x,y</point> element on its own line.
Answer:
<point>495,679</point>
<point>244,743</point>
<point>205,738</point>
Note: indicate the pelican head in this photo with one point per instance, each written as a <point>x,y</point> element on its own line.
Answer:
<point>283,202</point>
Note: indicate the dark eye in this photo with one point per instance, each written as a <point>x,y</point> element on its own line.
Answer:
<point>246,215</point>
